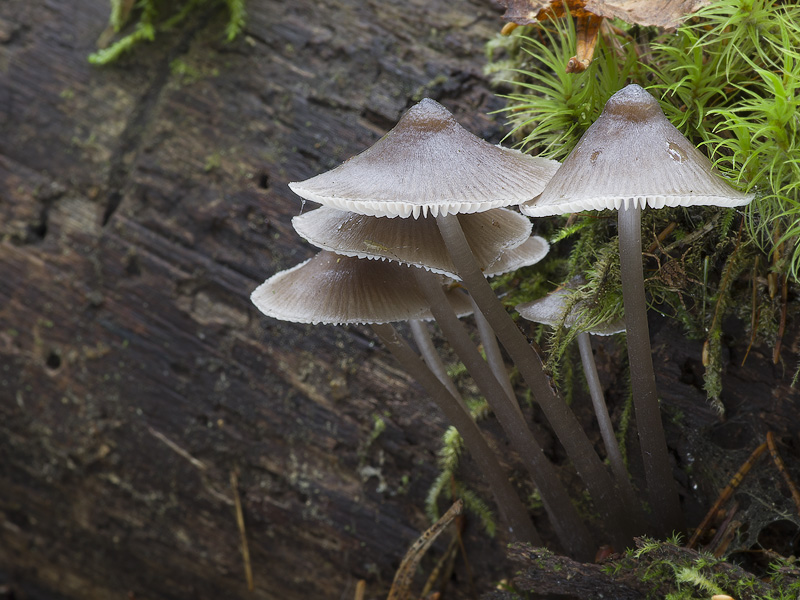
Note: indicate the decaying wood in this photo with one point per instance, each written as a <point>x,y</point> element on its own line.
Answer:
<point>139,207</point>
<point>621,578</point>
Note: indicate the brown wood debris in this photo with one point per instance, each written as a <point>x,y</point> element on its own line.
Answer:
<point>589,17</point>
<point>650,13</point>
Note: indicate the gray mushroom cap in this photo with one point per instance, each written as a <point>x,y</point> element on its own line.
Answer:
<point>428,163</point>
<point>338,290</point>
<point>633,156</point>
<point>490,234</point>
<point>551,309</point>
<point>530,252</point>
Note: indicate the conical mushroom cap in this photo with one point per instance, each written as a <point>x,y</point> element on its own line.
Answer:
<point>633,155</point>
<point>415,242</point>
<point>429,163</point>
<point>550,311</point>
<point>531,251</point>
<point>339,290</point>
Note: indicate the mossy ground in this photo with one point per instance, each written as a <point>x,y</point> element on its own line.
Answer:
<point>728,80</point>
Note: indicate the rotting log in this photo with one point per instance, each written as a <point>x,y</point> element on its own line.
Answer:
<point>622,578</point>
<point>139,206</point>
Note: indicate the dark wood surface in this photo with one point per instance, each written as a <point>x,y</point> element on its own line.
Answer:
<point>139,207</point>
<point>140,204</point>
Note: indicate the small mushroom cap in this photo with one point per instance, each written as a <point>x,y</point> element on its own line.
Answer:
<point>429,163</point>
<point>534,249</point>
<point>633,156</point>
<point>418,242</point>
<point>550,311</point>
<point>339,290</point>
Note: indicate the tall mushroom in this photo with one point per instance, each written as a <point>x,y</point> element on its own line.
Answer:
<point>557,309</point>
<point>429,164</point>
<point>337,290</point>
<point>633,157</point>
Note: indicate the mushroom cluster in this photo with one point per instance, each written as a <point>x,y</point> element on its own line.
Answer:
<point>383,259</point>
<point>410,229</point>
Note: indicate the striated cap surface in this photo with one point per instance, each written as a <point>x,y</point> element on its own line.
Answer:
<point>633,156</point>
<point>339,290</point>
<point>417,242</point>
<point>426,164</point>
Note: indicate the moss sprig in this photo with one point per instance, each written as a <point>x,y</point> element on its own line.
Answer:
<point>448,484</point>
<point>155,16</point>
<point>550,109</point>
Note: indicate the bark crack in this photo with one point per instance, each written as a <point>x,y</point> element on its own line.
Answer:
<point>123,160</point>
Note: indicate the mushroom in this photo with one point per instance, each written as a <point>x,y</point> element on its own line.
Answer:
<point>412,242</point>
<point>630,157</point>
<point>528,253</point>
<point>557,309</point>
<point>429,164</point>
<point>336,290</point>
<point>340,290</point>
<point>500,239</point>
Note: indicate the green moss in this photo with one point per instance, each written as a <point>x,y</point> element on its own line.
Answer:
<point>676,573</point>
<point>188,74</point>
<point>158,16</point>
<point>449,485</point>
<point>729,80</point>
<point>213,161</point>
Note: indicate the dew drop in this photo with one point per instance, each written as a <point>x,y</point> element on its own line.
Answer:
<point>676,153</point>
<point>594,155</point>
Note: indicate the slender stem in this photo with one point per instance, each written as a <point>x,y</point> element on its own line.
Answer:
<point>564,424</point>
<point>511,508</point>
<point>628,496</point>
<point>571,531</point>
<point>431,357</point>
<point>492,350</point>
<point>658,473</point>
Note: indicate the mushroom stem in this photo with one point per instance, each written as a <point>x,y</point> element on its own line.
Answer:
<point>429,354</point>
<point>492,350</point>
<point>511,508</point>
<point>564,424</point>
<point>607,430</point>
<point>658,472</point>
<point>571,531</point>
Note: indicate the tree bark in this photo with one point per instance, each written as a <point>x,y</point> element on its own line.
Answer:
<point>140,204</point>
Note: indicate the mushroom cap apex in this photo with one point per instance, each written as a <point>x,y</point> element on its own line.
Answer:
<point>633,103</point>
<point>427,114</point>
